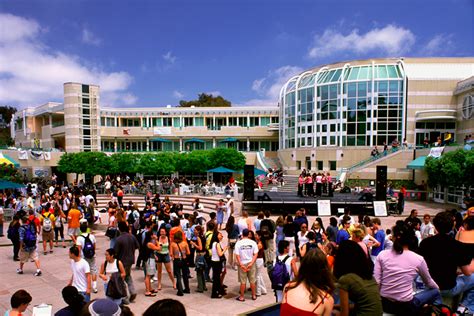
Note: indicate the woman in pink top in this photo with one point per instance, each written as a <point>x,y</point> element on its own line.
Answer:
<point>395,271</point>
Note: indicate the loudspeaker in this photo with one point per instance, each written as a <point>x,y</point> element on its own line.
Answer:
<point>249,183</point>
<point>381,183</point>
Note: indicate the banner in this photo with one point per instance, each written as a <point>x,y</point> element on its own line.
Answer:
<point>162,131</point>
<point>22,155</point>
<point>436,152</point>
<point>37,155</point>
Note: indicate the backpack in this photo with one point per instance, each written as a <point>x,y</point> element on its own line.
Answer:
<point>47,224</point>
<point>267,229</point>
<point>29,238</point>
<point>131,218</point>
<point>116,287</point>
<point>12,233</point>
<point>88,249</point>
<point>279,275</point>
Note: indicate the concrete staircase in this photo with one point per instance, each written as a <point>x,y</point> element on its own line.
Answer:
<point>209,202</point>
<point>291,185</point>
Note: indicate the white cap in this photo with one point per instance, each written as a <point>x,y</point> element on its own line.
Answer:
<point>228,196</point>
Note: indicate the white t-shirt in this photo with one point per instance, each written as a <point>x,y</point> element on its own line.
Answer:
<point>79,277</point>
<point>81,241</point>
<point>107,185</point>
<point>426,230</point>
<point>302,239</point>
<point>51,190</point>
<point>246,249</point>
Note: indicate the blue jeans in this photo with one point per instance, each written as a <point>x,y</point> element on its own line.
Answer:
<point>465,285</point>
<point>412,307</point>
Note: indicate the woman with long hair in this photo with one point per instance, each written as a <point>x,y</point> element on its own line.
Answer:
<point>200,245</point>
<point>310,293</point>
<point>109,266</point>
<point>354,272</point>
<point>395,271</point>
<point>179,250</point>
<point>280,223</point>
<point>289,229</point>
<point>261,288</point>
<point>217,263</point>
<point>163,256</point>
<point>59,225</point>
<point>233,232</point>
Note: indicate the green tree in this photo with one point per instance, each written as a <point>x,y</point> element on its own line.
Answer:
<point>226,157</point>
<point>10,173</point>
<point>206,100</point>
<point>6,112</point>
<point>455,168</point>
<point>193,162</point>
<point>122,163</point>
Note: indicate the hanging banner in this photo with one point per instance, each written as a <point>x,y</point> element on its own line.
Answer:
<point>47,155</point>
<point>22,155</point>
<point>37,155</point>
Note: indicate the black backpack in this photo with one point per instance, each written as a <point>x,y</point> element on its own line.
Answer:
<point>88,250</point>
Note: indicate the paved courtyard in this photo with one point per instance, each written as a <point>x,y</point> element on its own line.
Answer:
<point>56,274</point>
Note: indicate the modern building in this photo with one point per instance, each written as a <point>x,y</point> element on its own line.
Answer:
<point>333,115</point>
<point>328,118</point>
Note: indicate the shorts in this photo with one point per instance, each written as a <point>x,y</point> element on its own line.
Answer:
<point>163,258</point>
<point>250,275</point>
<point>73,231</point>
<point>92,265</point>
<point>28,255</point>
<point>48,236</point>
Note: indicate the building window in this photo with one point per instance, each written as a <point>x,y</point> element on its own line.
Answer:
<point>85,88</point>
<point>254,146</point>
<point>233,121</point>
<point>188,121</point>
<point>332,165</point>
<point>167,121</point>
<point>468,107</point>
<point>243,121</point>
<point>320,164</point>
<point>254,121</point>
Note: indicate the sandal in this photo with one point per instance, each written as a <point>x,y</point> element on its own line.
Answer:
<point>238,298</point>
<point>150,294</point>
<point>154,291</point>
<point>254,298</point>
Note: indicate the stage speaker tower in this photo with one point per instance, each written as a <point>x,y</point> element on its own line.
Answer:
<point>381,183</point>
<point>249,182</point>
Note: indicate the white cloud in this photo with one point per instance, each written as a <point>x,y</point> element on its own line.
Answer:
<point>169,58</point>
<point>268,87</point>
<point>32,73</point>
<point>90,38</point>
<point>440,44</point>
<point>177,94</point>
<point>391,39</point>
<point>214,93</point>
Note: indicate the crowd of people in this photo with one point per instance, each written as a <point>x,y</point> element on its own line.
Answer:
<point>349,267</point>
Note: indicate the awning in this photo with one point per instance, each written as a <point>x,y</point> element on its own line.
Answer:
<point>5,159</point>
<point>221,170</point>
<point>418,163</point>
<point>160,140</point>
<point>194,140</point>
<point>4,184</point>
<point>229,140</point>
<point>256,172</point>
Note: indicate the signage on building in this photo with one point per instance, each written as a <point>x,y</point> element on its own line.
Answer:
<point>162,131</point>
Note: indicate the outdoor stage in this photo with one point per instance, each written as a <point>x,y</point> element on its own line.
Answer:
<point>277,202</point>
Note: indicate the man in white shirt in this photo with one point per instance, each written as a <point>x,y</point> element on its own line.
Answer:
<point>246,251</point>
<point>81,276</point>
<point>89,254</point>
<point>229,208</point>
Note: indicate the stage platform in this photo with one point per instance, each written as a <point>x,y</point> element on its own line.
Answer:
<point>278,202</point>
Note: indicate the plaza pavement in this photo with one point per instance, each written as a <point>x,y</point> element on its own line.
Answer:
<point>56,274</point>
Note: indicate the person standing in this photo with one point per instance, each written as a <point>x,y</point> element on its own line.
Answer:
<point>47,221</point>
<point>220,208</point>
<point>81,276</point>
<point>74,216</point>
<point>217,263</point>
<point>86,243</point>
<point>14,235</point>
<point>401,199</point>
<point>246,251</point>
<point>427,229</point>
<point>267,228</point>
<point>125,247</point>
<point>229,206</point>
<point>28,245</point>
<point>379,235</point>
<point>179,250</point>
<point>261,287</point>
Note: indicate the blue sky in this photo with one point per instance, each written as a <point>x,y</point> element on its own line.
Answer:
<point>154,53</point>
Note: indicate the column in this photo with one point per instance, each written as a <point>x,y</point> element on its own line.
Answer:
<point>180,144</point>
<point>147,143</point>
<point>115,145</point>
<point>248,143</point>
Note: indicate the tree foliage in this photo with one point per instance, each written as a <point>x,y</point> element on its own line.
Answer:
<point>7,112</point>
<point>198,161</point>
<point>10,173</point>
<point>206,100</point>
<point>455,168</point>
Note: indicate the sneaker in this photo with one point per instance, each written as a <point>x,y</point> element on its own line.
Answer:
<point>19,271</point>
<point>38,273</point>
<point>95,290</point>
<point>155,278</point>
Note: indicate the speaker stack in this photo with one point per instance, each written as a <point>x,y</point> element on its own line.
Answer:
<point>381,183</point>
<point>249,183</point>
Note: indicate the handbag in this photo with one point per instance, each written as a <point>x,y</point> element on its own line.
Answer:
<point>116,287</point>
<point>111,232</point>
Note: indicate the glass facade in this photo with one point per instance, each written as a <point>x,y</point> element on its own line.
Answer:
<point>347,106</point>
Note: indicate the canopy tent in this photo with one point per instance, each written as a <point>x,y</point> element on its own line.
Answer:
<point>5,159</point>
<point>221,169</point>
<point>4,184</point>
<point>418,163</point>
<point>229,140</point>
<point>257,172</point>
<point>194,140</point>
<point>160,140</point>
